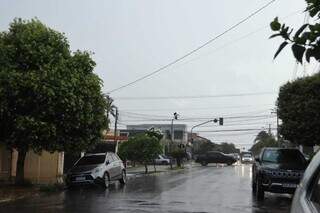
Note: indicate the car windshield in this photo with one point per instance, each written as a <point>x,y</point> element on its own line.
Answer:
<point>91,160</point>
<point>283,156</point>
<point>247,156</point>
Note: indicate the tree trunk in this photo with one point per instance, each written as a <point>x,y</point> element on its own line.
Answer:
<point>154,166</point>
<point>179,162</point>
<point>146,168</point>
<point>20,167</point>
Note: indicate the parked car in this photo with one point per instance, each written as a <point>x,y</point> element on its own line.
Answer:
<point>162,160</point>
<point>101,168</point>
<point>215,157</point>
<point>306,198</point>
<point>277,170</point>
<point>246,158</point>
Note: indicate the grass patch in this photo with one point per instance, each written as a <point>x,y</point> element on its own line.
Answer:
<point>178,168</point>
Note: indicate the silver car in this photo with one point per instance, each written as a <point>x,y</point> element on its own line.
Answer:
<point>162,160</point>
<point>307,195</point>
<point>101,168</point>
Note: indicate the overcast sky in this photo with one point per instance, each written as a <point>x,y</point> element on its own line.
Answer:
<point>135,37</point>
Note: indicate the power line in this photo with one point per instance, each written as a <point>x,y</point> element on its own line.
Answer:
<point>195,96</point>
<point>233,130</point>
<point>195,50</point>
<point>142,115</point>
<point>195,108</point>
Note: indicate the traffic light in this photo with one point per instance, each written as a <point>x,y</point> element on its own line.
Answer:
<point>221,121</point>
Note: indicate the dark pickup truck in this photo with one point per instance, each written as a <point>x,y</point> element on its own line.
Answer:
<point>215,157</point>
<point>277,170</point>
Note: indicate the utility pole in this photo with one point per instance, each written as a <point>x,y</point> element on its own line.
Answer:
<point>175,117</point>
<point>269,130</point>
<point>115,130</point>
<point>200,124</point>
<point>276,111</point>
<point>278,134</point>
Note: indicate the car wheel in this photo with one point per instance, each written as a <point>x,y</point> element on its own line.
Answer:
<point>123,178</point>
<point>259,190</point>
<point>204,163</point>
<point>106,180</point>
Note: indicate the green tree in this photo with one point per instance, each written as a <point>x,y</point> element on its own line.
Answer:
<point>178,153</point>
<point>142,148</point>
<point>205,147</point>
<point>50,99</point>
<point>262,136</point>
<point>263,139</point>
<point>227,148</point>
<point>298,107</point>
<point>305,40</point>
<point>110,108</point>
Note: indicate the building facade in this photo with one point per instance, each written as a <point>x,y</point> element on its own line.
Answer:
<point>180,134</point>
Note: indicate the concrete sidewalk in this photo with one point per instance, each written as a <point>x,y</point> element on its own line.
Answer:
<point>140,169</point>
<point>10,192</point>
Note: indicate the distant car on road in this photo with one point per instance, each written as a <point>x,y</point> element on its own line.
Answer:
<point>306,198</point>
<point>162,160</point>
<point>247,158</point>
<point>215,157</point>
<point>100,168</point>
<point>277,170</point>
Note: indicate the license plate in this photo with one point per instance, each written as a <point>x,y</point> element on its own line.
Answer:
<point>80,178</point>
<point>289,185</point>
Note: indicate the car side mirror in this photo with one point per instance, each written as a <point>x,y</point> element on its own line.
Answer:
<point>107,162</point>
<point>257,159</point>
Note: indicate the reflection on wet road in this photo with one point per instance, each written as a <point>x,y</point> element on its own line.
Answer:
<point>197,189</point>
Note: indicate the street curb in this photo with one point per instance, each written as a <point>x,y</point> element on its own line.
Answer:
<point>142,174</point>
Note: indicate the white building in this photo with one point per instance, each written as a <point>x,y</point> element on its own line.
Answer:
<point>180,134</point>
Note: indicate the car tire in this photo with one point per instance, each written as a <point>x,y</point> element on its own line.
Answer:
<point>204,163</point>
<point>123,179</point>
<point>259,190</point>
<point>106,180</point>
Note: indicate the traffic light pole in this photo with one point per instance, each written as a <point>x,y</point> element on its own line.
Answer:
<point>214,120</point>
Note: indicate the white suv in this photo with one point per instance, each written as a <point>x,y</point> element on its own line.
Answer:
<point>101,168</point>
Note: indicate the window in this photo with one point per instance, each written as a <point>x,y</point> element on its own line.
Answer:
<point>110,158</point>
<point>315,193</point>
<point>91,160</point>
<point>178,135</point>
<point>284,157</point>
<point>115,156</point>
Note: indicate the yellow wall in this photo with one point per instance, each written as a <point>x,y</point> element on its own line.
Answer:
<point>44,168</point>
<point>5,158</point>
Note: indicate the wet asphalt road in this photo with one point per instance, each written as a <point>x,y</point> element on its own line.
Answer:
<point>197,189</point>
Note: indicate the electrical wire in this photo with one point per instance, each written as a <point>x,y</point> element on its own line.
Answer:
<point>194,96</point>
<point>194,50</point>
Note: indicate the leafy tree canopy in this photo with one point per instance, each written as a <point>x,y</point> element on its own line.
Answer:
<point>143,148</point>
<point>263,139</point>
<point>50,99</point>
<point>298,108</point>
<point>305,41</point>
